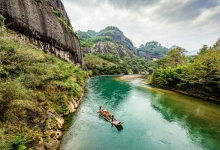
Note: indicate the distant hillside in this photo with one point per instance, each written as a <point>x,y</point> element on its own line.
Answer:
<point>152,50</point>
<point>112,39</point>
<point>110,52</point>
<point>107,40</point>
<point>187,53</point>
<point>192,52</point>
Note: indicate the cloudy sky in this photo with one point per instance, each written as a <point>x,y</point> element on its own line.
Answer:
<point>186,23</point>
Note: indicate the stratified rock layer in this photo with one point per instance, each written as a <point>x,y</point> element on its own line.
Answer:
<point>36,20</point>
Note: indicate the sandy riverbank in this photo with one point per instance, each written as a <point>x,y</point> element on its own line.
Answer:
<point>130,77</point>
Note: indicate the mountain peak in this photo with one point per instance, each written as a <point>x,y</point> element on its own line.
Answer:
<point>111,29</point>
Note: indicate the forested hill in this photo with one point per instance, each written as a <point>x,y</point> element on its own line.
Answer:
<point>110,52</point>
<point>109,39</point>
<point>112,38</point>
<point>152,50</point>
<point>116,53</point>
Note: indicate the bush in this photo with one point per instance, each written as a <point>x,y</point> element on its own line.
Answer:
<point>111,64</point>
<point>2,20</point>
<point>19,143</point>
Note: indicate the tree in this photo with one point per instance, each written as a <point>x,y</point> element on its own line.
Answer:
<point>216,46</point>
<point>161,63</point>
<point>2,20</point>
<point>176,57</point>
<point>203,50</point>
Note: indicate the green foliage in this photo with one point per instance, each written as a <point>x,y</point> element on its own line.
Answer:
<point>174,58</point>
<point>65,21</point>
<point>110,56</point>
<point>110,64</point>
<point>88,41</point>
<point>89,38</point>
<point>86,35</point>
<point>12,90</point>
<point>92,33</point>
<point>129,40</point>
<point>19,143</point>
<point>110,30</point>
<point>68,22</point>
<point>203,50</point>
<point>154,49</point>
<point>2,20</point>
<point>39,1</point>
<point>199,77</point>
<point>32,82</point>
<point>83,35</point>
<point>216,46</point>
<point>166,78</point>
<point>62,105</point>
<point>58,13</point>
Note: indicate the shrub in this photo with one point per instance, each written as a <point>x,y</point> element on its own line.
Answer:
<point>19,143</point>
<point>2,20</point>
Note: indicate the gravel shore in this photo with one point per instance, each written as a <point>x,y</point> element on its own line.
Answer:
<point>130,77</point>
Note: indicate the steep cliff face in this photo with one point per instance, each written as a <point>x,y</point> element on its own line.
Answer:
<point>108,47</point>
<point>45,23</point>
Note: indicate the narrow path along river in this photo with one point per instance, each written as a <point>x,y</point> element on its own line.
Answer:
<point>154,119</point>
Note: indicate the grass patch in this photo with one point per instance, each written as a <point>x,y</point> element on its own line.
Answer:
<point>65,21</point>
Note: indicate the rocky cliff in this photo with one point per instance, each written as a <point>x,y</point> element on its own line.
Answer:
<point>118,35</point>
<point>113,39</point>
<point>45,23</point>
<point>152,50</point>
<point>110,39</point>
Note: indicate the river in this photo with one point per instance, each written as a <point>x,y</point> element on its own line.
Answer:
<point>154,119</point>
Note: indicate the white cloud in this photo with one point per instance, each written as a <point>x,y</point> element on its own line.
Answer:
<point>187,23</point>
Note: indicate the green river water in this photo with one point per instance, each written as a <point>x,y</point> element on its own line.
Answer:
<point>154,119</point>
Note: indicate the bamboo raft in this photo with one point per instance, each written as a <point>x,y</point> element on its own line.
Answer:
<point>113,121</point>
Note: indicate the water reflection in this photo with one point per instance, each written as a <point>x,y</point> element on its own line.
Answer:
<point>200,118</point>
<point>119,128</point>
<point>110,91</point>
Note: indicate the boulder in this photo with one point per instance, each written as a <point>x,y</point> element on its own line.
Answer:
<point>60,122</point>
<point>71,107</point>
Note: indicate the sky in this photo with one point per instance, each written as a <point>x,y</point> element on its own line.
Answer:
<point>189,24</point>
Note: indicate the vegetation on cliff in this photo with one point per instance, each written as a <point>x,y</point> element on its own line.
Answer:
<point>35,88</point>
<point>153,49</point>
<point>65,21</point>
<point>110,34</point>
<point>199,77</point>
